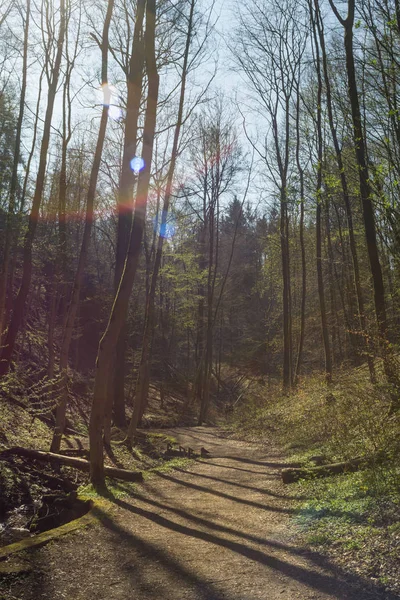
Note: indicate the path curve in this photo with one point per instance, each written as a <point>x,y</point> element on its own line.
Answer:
<point>220,531</point>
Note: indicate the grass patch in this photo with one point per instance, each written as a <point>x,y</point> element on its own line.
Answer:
<point>170,465</point>
<point>118,489</point>
<point>353,517</point>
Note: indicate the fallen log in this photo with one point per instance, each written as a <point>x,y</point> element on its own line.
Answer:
<point>70,461</point>
<point>79,452</point>
<point>294,474</point>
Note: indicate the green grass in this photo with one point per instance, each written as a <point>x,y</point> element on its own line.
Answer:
<point>354,518</point>
<point>346,509</point>
<point>174,463</point>
<point>119,490</point>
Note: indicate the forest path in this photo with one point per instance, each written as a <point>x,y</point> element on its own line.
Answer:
<point>218,531</point>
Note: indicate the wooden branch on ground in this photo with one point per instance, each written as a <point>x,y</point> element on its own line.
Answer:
<point>70,461</point>
<point>294,474</point>
<point>78,452</point>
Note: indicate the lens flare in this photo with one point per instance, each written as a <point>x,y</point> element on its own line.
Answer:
<point>137,164</point>
<point>115,112</point>
<point>167,229</point>
<point>107,91</point>
<point>108,96</point>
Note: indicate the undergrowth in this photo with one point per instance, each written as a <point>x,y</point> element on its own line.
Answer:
<point>356,516</point>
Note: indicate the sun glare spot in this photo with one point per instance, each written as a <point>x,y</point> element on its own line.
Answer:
<point>115,112</point>
<point>165,230</point>
<point>137,164</point>
<point>107,91</point>
<point>109,97</point>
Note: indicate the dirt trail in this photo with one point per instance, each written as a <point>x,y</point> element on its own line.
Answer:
<point>218,531</point>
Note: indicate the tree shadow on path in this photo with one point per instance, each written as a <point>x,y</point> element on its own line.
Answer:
<point>333,584</point>
<point>154,554</point>
<point>206,490</point>
<point>243,486</point>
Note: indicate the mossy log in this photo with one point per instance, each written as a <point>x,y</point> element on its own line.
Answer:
<point>70,461</point>
<point>294,474</point>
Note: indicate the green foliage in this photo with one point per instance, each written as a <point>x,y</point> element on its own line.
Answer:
<point>353,515</point>
<point>346,420</point>
<point>353,512</point>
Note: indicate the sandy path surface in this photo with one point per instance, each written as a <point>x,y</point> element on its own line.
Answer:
<point>218,531</point>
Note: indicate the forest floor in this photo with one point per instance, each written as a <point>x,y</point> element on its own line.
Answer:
<point>221,529</point>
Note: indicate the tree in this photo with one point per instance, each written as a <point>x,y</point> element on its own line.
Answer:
<point>74,300</point>
<point>143,379</point>
<point>19,304</point>
<point>366,193</point>
<point>121,301</point>
<point>271,46</point>
<point>14,173</point>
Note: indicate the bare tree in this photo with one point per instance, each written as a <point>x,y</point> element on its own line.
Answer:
<point>121,301</point>
<point>14,176</point>
<point>270,50</point>
<point>74,300</point>
<point>366,193</point>
<point>19,304</point>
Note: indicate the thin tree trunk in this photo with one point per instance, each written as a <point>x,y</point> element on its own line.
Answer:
<point>346,198</point>
<point>283,163</point>
<point>74,301</point>
<point>121,302</point>
<point>302,245</point>
<point>126,184</point>
<point>14,179</point>
<point>143,379</point>
<point>366,200</point>
<point>19,304</point>
<point>318,224</point>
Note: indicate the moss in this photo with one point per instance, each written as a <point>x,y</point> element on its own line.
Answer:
<point>96,506</point>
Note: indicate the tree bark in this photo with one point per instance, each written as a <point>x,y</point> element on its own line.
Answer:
<point>346,197</point>
<point>291,475</point>
<point>121,301</point>
<point>366,193</point>
<point>318,224</point>
<point>143,380</point>
<point>20,301</point>
<point>302,244</point>
<point>14,179</point>
<point>126,184</point>
<point>74,301</point>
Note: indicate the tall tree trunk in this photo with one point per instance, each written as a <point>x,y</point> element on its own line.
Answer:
<point>61,267</point>
<point>14,178</point>
<point>143,379</point>
<point>302,244</point>
<point>346,197</point>
<point>318,224</point>
<point>366,199</point>
<point>126,184</point>
<point>121,301</point>
<point>20,301</point>
<point>287,375</point>
<point>208,350</point>
<point>283,163</point>
<point>74,300</point>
